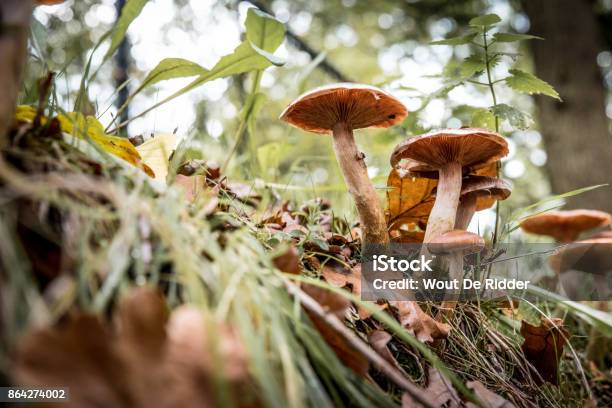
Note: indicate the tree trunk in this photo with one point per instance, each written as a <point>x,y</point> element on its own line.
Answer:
<point>14,29</point>
<point>575,131</point>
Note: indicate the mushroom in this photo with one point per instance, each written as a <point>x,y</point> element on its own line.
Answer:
<point>593,255</point>
<point>339,109</point>
<point>449,152</point>
<point>455,244</point>
<point>565,226</point>
<point>479,193</point>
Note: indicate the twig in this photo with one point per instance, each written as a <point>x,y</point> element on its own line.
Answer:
<point>380,363</point>
<point>14,28</point>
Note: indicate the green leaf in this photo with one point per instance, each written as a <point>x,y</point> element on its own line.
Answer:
<point>264,36</point>
<point>485,21</point>
<point>471,65</point>
<point>464,69</point>
<point>171,68</point>
<point>483,118</point>
<point>464,39</point>
<point>130,11</point>
<point>525,82</point>
<point>243,59</point>
<point>517,118</point>
<point>269,56</point>
<point>263,30</point>
<point>510,37</point>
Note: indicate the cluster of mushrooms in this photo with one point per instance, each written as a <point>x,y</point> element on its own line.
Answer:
<point>459,168</point>
<point>462,163</point>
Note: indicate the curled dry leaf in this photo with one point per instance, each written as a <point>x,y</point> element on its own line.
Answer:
<point>488,398</point>
<point>439,389</point>
<point>543,347</point>
<point>338,306</point>
<point>144,361</point>
<point>424,327</point>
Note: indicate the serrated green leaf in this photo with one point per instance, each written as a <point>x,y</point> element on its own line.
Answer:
<point>483,118</point>
<point>465,68</point>
<point>525,82</point>
<point>130,11</point>
<point>263,30</point>
<point>471,65</point>
<point>171,68</point>
<point>464,39</point>
<point>485,21</point>
<point>511,37</point>
<point>517,118</point>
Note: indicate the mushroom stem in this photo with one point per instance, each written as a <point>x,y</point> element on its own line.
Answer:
<point>455,271</point>
<point>355,173</point>
<point>443,213</point>
<point>465,212</point>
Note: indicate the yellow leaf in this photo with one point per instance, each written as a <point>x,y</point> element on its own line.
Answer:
<point>156,153</point>
<point>78,125</point>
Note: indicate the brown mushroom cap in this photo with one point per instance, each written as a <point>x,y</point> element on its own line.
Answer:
<point>590,255</point>
<point>456,241</point>
<point>472,148</point>
<point>487,189</point>
<point>565,225</point>
<point>357,105</point>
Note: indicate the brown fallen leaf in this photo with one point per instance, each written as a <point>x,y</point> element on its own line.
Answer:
<point>439,390</point>
<point>143,360</point>
<point>407,237</point>
<point>338,306</point>
<point>288,262</point>
<point>349,279</point>
<point>488,398</point>
<point>210,170</point>
<point>408,198</point>
<point>543,347</point>
<point>379,339</point>
<point>424,327</point>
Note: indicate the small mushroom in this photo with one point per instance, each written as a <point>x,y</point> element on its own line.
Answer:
<point>567,225</point>
<point>593,255</point>
<point>455,244</point>
<point>339,109</point>
<point>450,152</point>
<point>479,193</point>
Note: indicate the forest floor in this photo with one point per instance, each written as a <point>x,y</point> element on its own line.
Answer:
<point>267,281</point>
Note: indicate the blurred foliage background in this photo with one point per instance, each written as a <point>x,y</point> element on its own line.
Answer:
<point>383,43</point>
